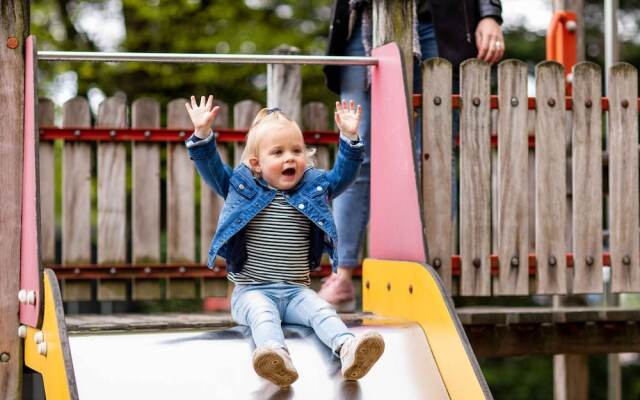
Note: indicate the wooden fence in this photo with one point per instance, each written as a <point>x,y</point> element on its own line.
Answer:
<point>543,203</point>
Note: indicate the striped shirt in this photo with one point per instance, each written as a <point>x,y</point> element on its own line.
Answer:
<point>278,243</point>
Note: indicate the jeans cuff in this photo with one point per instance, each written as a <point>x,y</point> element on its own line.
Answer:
<point>339,341</point>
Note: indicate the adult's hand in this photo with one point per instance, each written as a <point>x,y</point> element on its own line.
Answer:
<point>489,40</point>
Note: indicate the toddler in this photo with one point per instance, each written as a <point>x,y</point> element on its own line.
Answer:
<point>275,224</point>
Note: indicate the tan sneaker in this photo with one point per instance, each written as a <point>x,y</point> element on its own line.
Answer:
<point>275,365</point>
<point>359,354</point>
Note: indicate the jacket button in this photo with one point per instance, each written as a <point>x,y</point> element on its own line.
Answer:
<point>239,220</point>
<point>321,223</point>
<point>241,186</point>
<point>319,188</point>
<point>301,206</point>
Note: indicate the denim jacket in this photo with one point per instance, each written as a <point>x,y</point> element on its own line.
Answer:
<point>245,196</point>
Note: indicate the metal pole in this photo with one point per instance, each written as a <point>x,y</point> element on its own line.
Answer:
<point>611,299</point>
<point>610,36</point>
<point>202,58</point>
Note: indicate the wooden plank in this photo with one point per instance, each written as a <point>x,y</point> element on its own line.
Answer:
<point>76,198</point>
<point>436,165</point>
<point>475,179</point>
<point>15,21</point>
<point>73,290</point>
<point>76,184</point>
<point>112,206</point>
<point>47,185</point>
<point>623,178</point>
<point>513,205</point>
<point>182,288</point>
<point>392,21</point>
<point>145,205</point>
<point>210,202</point>
<point>146,289</point>
<point>112,201</point>
<point>587,179</point>
<point>550,179</point>
<point>180,190</point>
<point>244,113</point>
<point>112,290</point>
<point>284,85</point>
<point>314,117</point>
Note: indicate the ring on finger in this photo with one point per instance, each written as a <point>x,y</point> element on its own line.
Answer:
<point>497,44</point>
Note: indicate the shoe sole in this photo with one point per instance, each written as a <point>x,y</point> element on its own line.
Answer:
<point>272,367</point>
<point>367,353</point>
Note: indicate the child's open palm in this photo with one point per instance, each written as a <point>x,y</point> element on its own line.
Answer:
<point>348,118</point>
<point>202,115</point>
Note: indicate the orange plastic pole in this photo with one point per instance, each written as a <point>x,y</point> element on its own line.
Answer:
<point>561,42</point>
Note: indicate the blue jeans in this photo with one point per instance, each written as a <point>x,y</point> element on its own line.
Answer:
<point>265,307</point>
<point>351,208</point>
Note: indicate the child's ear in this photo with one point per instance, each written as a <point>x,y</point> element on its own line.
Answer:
<point>255,165</point>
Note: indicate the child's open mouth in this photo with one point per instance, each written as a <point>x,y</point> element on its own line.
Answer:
<point>289,171</point>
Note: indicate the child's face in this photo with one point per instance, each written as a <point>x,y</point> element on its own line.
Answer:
<point>281,158</point>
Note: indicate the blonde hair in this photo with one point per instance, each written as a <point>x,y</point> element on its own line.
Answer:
<point>255,134</point>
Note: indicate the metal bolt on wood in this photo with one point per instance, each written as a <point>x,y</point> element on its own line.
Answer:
<point>551,102</point>
<point>410,289</point>
<point>367,285</point>
<point>437,263</point>
<point>552,261</point>
<point>42,348</point>
<point>476,262</point>
<point>437,100</point>
<point>626,260</point>
<point>588,103</point>
<point>514,102</point>
<point>389,286</point>
<point>515,261</point>
<point>476,101</point>
<point>589,260</point>
<point>625,103</point>
<point>5,357</point>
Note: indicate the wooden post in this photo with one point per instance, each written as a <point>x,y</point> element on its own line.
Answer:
<point>13,32</point>
<point>393,22</point>
<point>284,85</point>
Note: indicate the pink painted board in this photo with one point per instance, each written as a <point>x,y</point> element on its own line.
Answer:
<point>396,222</point>
<point>30,268</point>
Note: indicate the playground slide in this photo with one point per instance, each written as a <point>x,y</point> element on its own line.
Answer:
<point>427,354</point>
<point>215,362</point>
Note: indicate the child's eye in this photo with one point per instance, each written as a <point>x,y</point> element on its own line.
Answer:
<point>276,152</point>
<point>297,151</point>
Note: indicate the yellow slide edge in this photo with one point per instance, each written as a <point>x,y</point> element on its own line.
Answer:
<point>51,355</point>
<point>413,291</point>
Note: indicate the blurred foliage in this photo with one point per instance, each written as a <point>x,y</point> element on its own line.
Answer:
<point>186,26</point>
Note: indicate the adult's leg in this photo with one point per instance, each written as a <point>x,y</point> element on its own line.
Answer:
<point>351,208</point>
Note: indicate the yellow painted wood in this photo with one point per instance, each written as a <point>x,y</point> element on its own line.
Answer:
<point>56,366</point>
<point>410,290</point>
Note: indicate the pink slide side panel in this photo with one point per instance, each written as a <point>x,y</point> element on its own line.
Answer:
<point>30,274</point>
<point>396,223</point>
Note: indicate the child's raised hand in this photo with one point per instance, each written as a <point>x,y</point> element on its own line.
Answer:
<point>348,118</point>
<point>202,115</point>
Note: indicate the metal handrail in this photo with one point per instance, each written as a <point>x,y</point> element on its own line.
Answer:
<point>202,58</point>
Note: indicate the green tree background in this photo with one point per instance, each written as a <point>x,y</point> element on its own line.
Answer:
<point>257,27</point>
